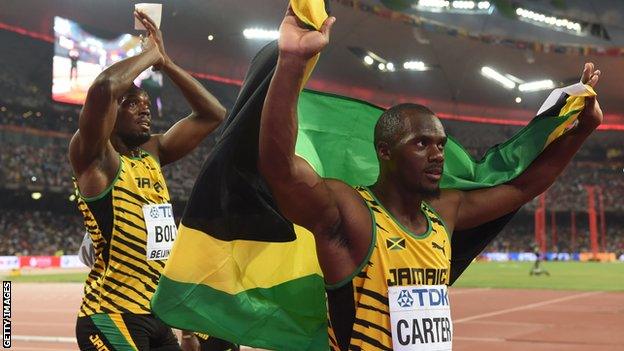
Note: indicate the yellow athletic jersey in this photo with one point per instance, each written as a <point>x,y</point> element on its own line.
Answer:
<point>122,280</point>
<point>359,316</point>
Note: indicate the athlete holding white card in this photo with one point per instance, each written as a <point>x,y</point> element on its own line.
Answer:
<point>124,198</point>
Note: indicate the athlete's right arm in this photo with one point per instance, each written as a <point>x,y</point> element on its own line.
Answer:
<point>302,195</point>
<point>327,208</point>
<point>97,118</point>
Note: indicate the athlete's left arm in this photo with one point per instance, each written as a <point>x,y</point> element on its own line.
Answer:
<point>480,206</point>
<point>207,112</point>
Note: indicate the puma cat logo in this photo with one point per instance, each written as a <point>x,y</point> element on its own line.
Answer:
<point>439,247</point>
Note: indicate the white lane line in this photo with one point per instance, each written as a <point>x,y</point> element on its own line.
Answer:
<point>40,338</point>
<point>38,348</point>
<point>49,310</point>
<point>464,338</point>
<point>525,307</point>
<point>43,324</point>
<point>467,291</point>
<point>63,339</point>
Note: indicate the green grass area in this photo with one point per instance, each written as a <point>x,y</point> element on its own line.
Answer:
<point>48,278</point>
<point>563,276</point>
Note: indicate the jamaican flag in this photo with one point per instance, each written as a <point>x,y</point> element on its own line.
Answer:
<point>240,271</point>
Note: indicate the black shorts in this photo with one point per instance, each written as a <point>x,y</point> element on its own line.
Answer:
<point>121,332</point>
<point>210,343</point>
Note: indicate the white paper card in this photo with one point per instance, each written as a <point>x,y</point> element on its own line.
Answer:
<point>154,11</point>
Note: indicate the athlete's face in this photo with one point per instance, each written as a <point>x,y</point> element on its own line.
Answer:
<point>134,118</point>
<point>417,158</point>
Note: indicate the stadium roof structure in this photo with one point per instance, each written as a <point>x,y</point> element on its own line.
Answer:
<point>454,45</point>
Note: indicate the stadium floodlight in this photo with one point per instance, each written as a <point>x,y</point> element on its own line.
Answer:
<point>433,3</point>
<point>454,6</point>
<point>501,79</point>
<point>483,5</point>
<point>518,100</point>
<point>210,37</point>
<point>36,195</point>
<point>540,18</point>
<point>545,84</point>
<point>368,60</point>
<point>381,66</point>
<point>390,67</point>
<point>415,66</point>
<point>260,34</point>
<point>463,5</point>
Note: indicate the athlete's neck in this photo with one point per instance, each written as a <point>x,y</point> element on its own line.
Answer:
<point>124,149</point>
<point>403,204</point>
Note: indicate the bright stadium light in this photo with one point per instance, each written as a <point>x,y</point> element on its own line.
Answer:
<point>545,84</point>
<point>483,5</point>
<point>455,6</point>
<point>501,79</point>
<point>415,66</point>
<point>368,60</point>
<point>434,3</point>
<point>390,66</point>
<point>210,37</point>
<point>463,5</point>
<point>36,195</point>
<point>518,100</point>
<point>540,18</point>
<point>72,197</point>
<point>381,66</point>
<point>260,34</point>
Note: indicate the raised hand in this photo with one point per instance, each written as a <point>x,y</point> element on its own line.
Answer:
<point>591,116</point>
<point>590,75</point>
<point>154,37</point>
<point>298,41</point>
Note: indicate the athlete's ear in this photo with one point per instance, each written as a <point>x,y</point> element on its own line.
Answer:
<point>383,151</point>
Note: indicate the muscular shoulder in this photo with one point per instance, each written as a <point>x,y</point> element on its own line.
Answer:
<point>153,146</point>
<point>354,214</point>
<point>447,206</point>
<point>345,195</point>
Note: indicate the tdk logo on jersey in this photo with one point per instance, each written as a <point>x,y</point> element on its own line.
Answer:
<point>405,299</point>
<point>429,297</point>
<point>154,212</point>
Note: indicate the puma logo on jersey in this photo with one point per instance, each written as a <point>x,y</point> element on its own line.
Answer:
<point>439,247</point>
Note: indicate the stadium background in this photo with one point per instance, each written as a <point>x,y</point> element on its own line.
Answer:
<point>41,230</point>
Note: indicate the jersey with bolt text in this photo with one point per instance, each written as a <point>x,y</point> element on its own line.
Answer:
<point>122,279</point>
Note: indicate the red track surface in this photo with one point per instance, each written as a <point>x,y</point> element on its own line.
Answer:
<point>484,319</point>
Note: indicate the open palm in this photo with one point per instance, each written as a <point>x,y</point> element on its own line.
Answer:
<point>299,41</point>
<point>591,116</point>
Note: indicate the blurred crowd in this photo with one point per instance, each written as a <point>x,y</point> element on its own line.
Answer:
<point>519,234</point>
<point>39,233</point>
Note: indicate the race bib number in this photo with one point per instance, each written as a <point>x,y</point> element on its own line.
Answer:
<point>161,230</point>
<point>420,317</point>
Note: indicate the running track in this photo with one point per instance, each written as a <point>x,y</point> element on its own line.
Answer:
<point>484,319</point>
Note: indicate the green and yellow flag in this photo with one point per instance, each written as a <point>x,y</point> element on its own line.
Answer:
<point>241,272</point>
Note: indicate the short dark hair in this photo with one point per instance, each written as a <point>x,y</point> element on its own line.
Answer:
<point>391,124</point>
<point>134,90</point>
